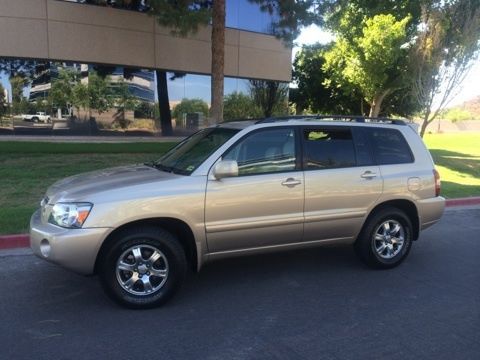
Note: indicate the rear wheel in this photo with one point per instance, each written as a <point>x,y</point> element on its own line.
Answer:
<point>386,238</point>
<point>143,267</point>
<point>35,119</point>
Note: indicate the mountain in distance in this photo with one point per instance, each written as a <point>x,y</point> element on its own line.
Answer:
<point>468,110</point>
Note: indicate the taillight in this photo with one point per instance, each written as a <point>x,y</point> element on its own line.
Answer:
<point>437,182</point>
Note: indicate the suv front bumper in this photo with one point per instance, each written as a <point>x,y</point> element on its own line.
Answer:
<point>74,249</point>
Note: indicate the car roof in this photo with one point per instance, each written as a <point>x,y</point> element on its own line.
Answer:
<point>306,120</point>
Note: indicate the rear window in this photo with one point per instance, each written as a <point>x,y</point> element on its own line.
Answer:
<point>389,147</point>
<point>328,148</point>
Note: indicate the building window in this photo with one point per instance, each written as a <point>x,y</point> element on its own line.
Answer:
<point>240,14</point>
<point>125,99</point>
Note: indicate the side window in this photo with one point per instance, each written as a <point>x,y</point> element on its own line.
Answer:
<point>328,148</point>
<point>265,151</point>
<point>362,147</point>
<point>390,147</point>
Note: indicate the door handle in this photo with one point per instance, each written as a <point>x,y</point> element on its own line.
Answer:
<point>291,182</point>
<point>368,175</point>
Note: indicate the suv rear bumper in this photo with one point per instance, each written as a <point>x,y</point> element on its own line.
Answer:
<point>74,249</point>
<point>430,211</point>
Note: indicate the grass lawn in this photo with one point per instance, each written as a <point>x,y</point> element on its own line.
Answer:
<point>28,168</point>
<point>457,158</point>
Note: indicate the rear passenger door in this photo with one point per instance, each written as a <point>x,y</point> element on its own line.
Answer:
<point>341,181</point>
<point>393,155</point>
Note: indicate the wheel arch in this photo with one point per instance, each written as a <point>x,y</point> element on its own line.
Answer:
<point>177,227</point>
<point>407,206</point>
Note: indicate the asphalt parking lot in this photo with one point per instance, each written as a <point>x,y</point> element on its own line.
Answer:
<point>314,304</point>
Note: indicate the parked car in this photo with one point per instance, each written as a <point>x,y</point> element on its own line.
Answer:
<point>37,118</point>
<point>237,189</point>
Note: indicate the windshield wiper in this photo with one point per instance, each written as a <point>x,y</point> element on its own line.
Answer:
<point>159,166</point>
<point>162,167</point>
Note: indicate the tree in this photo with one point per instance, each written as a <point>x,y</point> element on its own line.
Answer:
<point>20,73</point>
<point>189,106</point>
<point>164,103</point>
<point>447,43</point>
<point>80,98</point>
<point>123,100</point>
<point>99,94</point>
<point>373,63</point>
<point>270,96</point>
<point>317,90</point>
<point>3,101</point>
<point>61,94</point>
<point>187,16</point>
<point>347,20</point>
<point>237,106</point>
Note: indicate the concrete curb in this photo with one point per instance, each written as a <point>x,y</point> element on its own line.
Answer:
<point>463,201</point>
<point>14,241</point>
<point>23,240</point>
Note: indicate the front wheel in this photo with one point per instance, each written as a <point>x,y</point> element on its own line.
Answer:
<point>386,238</point>
<point>143,268</point>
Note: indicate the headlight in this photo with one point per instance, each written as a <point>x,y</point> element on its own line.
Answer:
<point>70,215</point>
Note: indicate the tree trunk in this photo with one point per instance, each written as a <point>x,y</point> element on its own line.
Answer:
<point>218,60</point>
<point>423,127</point>
<point>425,123</point>
<point>164,104</point>
<point>376,104</point>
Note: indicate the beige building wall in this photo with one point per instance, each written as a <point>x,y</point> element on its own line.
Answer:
<point>58,30</point>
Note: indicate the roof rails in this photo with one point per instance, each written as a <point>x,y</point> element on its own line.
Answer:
<point>352,118</point>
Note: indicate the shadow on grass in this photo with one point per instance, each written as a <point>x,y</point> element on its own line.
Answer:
<point>456,161</point>
<point>452,190</point>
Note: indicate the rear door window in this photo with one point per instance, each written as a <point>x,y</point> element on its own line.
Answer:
<point>328,148</point>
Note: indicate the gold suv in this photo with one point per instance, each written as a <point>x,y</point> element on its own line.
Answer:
<point>242,188</point>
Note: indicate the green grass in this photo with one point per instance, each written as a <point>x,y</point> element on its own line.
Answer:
<point>457,158</point>
<point>27,169</point>
<point>27,147</point>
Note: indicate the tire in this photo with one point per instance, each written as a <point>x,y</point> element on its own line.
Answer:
<point>379,245</point>
<point>35,119</point>
<point>128,265</point>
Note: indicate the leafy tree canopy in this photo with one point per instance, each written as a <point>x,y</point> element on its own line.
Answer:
<point>237,106</point>
<point>186,16</point>
<point>374,62</point>
<point>318,91</point>
<point>270,96</point>
<point>188,106</point>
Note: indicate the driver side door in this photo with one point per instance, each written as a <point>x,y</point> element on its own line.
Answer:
<point>263,205</point>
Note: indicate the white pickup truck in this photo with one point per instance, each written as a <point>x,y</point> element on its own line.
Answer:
<point>38,117</point>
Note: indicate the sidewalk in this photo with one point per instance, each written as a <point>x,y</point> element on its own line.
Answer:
<point>23,240</point>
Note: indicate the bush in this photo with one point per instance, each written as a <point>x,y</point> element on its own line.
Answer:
<point>238,106</point>
<point>188,106</point>
<point>456,114</point>
<point>144,110</point>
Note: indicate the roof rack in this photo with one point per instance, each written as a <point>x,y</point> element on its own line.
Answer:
<point>352,118</point>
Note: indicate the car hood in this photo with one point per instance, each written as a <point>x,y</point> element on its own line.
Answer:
<point>81,187</point>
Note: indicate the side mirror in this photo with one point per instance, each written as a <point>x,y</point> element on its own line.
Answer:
<point>225,168</point>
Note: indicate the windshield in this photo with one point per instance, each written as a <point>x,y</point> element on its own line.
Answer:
<point>193,151</point>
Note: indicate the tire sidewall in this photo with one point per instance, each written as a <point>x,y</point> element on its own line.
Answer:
<point>407,227</point>
<point>164,242</point>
